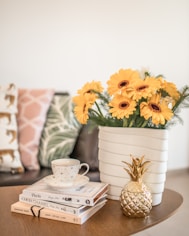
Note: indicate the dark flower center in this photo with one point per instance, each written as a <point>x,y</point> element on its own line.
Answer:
<point>123,83</point>
<point>89,91</point>
<point>84,108</point>
<point>142,88</point>
<point>155,107</point>
<point>123,105</point>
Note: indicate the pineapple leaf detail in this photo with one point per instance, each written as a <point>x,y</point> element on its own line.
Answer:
<point>137,169</point>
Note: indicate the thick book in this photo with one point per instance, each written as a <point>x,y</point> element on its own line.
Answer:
<point>85,195</point>
<point>62,207</point>
<point>36,211</point>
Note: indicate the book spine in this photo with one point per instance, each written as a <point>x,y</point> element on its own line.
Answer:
<point>50,205</point>
<point>91,213</point>
<point>38,212</point>
<point>60,198</point>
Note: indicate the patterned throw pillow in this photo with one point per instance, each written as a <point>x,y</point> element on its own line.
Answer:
<point>33,105</point>
<point>9,154</point>
<point>60,131</point>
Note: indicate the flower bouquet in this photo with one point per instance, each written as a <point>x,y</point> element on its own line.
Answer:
<point>132,99</point>
<point>146,105</point>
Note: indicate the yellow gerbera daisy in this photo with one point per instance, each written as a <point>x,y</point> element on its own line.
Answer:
<point>122,106</point>
<point>121,80</point>
<point>83,104</point>
<point>171,89</point>
<point>144,88</point>
<point>156,109</point>
<point>89,87</point>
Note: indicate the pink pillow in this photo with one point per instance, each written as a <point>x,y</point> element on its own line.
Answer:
<point>33,105</point>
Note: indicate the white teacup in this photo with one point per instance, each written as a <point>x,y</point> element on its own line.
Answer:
<point>66,170</point>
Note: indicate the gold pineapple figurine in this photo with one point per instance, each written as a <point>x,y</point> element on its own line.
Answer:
<point>136,198</point>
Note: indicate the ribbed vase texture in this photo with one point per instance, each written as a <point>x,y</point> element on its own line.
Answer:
<point>116,144</point>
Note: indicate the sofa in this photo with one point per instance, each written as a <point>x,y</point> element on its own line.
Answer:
<point>85,150</point>
<point>77,142</point>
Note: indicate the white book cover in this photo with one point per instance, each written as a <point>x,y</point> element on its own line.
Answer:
<point>36,211</point>
<point>84,195</point>
<point>62,207</point>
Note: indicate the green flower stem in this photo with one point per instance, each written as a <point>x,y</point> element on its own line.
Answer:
<point>144,124</point>
<point>125,122</point>
<point>99,109</point>
<point>99,115</point>
<point>132,122</point>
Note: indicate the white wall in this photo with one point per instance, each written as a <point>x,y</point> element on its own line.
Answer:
<point>65,43</point>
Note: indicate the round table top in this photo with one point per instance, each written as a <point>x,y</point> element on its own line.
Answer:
<point>107,221</point>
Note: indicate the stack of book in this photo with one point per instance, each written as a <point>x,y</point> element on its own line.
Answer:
<point>73,205</point>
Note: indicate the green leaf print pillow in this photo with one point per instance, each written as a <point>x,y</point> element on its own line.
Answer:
<point>60,131</point>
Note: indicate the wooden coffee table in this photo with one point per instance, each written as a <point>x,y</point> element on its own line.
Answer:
<point>108,221</point>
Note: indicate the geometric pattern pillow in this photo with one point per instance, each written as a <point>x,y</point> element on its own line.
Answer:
<point>9,154</point>
<point>33,105</point>
<point>60,132</point>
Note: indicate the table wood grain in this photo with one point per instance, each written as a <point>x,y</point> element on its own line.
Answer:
<point>108,221</point>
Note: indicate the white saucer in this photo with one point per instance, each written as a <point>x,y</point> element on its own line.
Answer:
<point>80,180</point>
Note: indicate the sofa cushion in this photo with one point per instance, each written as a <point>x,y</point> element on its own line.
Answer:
<point>26,178</point>
<point>60,131</point>
<point>9,154</point>
<point>33,105</point>
<point>86,148</point>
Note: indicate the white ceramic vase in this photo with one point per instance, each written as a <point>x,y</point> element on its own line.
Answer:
<point>116,144</point>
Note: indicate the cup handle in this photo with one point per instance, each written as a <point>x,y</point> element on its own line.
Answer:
<point>87,166</point>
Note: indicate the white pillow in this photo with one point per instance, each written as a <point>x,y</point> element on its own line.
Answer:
<point>9,154</point>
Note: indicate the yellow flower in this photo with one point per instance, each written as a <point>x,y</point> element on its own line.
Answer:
<point>83,104</point>
<point>171,89</point>
<point>144,88</point>
<point>156,109</point>
<point>90,87</point>
<point>141,100</point>
<point>118,82</point>
<point>122,106</point>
